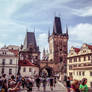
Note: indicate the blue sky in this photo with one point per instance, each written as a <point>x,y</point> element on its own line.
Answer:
<point>18,15</point>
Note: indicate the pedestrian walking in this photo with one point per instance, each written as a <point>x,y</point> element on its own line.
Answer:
<point>23,82</point>
<point>37,82</point>
<point>68,85</point>
<point>83,86</point>
<point>51,83</point>
<point>44,84</point>
<point>29,85</point>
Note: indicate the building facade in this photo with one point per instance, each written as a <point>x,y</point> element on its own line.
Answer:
<point>8,61</point>
<point>58,45</point>
<point>79,63</point>
<point>28,69</point>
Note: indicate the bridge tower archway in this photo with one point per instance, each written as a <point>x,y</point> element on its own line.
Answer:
<point>46,71</point>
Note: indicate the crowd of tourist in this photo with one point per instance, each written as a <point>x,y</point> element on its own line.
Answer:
<point>16,83</point>
<point>76,86</point>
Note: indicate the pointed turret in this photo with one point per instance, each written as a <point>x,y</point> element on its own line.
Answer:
<point>30,40</point>
<point>48,34</point>
<point>66,30</point>
<point>57,29</point>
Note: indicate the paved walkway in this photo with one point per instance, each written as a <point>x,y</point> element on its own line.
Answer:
<point>59,88</point>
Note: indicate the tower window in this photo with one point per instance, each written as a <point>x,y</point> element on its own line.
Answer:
<point>61,59</point>
<point>60,49</point>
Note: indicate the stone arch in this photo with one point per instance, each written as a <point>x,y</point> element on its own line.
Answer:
<point>48,70</point>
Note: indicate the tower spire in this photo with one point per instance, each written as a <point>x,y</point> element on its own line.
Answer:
<point>34,29</point>
<point>57,28</point>
<point>66,29</point>
<point>48,33</point>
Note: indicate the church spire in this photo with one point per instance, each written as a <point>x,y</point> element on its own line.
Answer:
<point>57,28</point>
<point>49,32</point>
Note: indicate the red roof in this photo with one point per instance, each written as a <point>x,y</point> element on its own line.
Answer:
<point>76,49</point>
<point>89,46</point>
<point>16,52</point>
<point>26,63</point>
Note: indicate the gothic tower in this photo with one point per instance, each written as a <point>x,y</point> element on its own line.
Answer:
<point>58,44</point>
<point>30,50</point>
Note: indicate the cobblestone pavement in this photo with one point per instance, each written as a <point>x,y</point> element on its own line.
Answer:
<point>59,88</point>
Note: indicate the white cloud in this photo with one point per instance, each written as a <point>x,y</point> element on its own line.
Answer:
<point>43,36</point>
<point>43,7</point>
<point>1,44</point>
<point>7,7</point>
<point>42,40</point>
<point>79,34</point>
<point>87,11</point>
